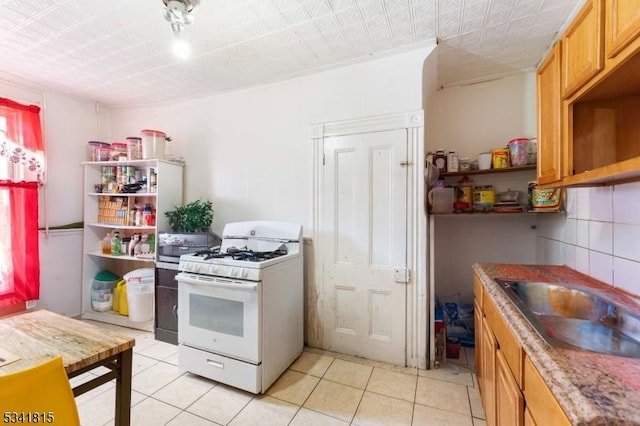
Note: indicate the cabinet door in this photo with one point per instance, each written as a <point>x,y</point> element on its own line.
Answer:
<point>488,347</point>
<point>528,419</point>
<point>549,118</point>
<point>477,321</point>
<point>622,24</point>
<point>582,48</point>
<point>167,308</point>
<point>509,399</point>
<point>541,404</point>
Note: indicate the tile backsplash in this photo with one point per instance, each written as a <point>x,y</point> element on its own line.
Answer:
<point>599,235</point>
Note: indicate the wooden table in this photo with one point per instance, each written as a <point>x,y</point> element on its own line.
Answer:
<point>39,335</point>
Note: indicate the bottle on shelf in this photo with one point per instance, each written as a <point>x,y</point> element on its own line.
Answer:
<point>153,179</point>
<point>138,220</point>
<point>145,249</point>
<point>106,244</point>
<point>152,243</point>
<point>132,245</point>
<point>116,244</point>
<point>440,160</point>
<point>452,161</point>
<point>146,212</point>
<point>428,158</point>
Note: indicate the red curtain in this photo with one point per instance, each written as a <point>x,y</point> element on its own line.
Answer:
<point>23,281</point>
<point>19,254</point>
<point>23,124</point>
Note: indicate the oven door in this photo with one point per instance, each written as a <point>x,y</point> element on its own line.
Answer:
<point>220,315</point>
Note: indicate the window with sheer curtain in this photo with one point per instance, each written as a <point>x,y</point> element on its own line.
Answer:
<point>21,174</point>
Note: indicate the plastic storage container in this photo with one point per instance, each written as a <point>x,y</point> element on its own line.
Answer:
<point>134,148</point>
<point>99,151</point>
<point>120,304</point>
<point>153,144</point>
<point>119,151</point>
<point>140,294</point>
<point>518,151</point>
<point>102,291</point>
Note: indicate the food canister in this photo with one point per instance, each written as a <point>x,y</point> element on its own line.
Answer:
<point>134,148</point>
<point>518,151</point>
<point>484,198</point>
<point>548,199</point>
<point>484,161</point>
<point>153,144</point>
<point>99,151</point>
<point>464,195</point>
<point>500,157</point>
<point>119,151</point>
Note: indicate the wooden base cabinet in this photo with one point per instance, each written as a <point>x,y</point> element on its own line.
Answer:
<point>513,392</point>
<point>166,325</point>
<point>509,399</point>
<point>488,348</point>
<point>542,406</point>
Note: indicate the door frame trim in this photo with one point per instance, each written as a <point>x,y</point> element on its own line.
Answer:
<point>417,329</point>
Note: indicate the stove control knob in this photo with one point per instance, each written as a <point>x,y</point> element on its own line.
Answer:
<point>210,269</point>
<point>214,269</point>
<point>245,273</point>
<point>234,272</point>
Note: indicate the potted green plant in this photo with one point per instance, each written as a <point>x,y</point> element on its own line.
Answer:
<point>196,216</point>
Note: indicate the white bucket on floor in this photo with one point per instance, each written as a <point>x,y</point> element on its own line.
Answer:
<point>140,294</point>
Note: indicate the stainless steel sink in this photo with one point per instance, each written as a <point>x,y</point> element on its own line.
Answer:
<point>569,317</point>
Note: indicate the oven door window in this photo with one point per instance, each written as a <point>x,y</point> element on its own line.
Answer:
<point>217,314</point>
<point>218,319</point>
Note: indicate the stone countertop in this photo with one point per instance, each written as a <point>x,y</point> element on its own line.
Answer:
<point>592,388</point>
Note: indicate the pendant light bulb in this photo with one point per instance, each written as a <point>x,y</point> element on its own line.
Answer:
<point>181,48</point>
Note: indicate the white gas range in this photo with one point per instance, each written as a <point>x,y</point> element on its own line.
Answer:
<point>240,307</point>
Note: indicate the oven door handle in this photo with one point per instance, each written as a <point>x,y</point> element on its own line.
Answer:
<point>216,282</point>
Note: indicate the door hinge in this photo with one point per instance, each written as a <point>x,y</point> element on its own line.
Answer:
<point>406,163</point>
<point>401,275</point>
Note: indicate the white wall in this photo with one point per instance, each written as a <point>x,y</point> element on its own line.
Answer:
<point>472,119</point>
<point>477,117</point>
<point>599,235</point>
<point>250,151</point>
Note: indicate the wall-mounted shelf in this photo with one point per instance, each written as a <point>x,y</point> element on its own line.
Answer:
<point>489,171</point>
<point>494,214</point>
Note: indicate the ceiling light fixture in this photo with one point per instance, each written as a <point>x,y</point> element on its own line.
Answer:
<point>178,14</point>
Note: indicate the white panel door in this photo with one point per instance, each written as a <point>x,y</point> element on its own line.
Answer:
<point>364,248</point>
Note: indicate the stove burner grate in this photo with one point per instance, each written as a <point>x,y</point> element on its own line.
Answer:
<point>242,254</point>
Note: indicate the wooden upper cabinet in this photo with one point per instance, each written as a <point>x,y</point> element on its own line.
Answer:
<point>549,118</point>
<point>582,52</point>
<point>622,24</point>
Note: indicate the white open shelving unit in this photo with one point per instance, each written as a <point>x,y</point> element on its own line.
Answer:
<point>168,195</point>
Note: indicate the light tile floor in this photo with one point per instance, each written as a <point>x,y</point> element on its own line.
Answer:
<point>320,388</point>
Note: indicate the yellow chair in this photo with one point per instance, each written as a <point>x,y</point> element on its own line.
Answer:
<point>40,395</point>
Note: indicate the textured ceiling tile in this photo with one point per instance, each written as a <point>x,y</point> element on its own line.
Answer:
<point>93,49</point>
